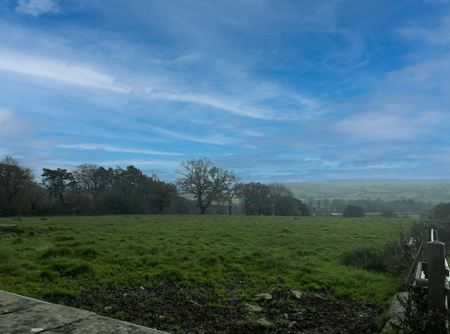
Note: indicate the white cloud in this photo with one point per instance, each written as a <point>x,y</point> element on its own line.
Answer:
<point>149,163</point>
<point>437,36</point>
<point>216,140</point>
<point>426,75</point>
<point>5,113</point>
<point>12,125</point>
<point>84,75</point>
<point>110,148</point>
<point>385,125</point>
<point>213,102</point>
<point>58,70</point>
<point>37,7</point>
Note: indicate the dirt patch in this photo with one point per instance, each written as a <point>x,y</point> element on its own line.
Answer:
<point>177,308</point>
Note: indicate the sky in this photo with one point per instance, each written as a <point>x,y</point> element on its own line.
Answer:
<point>277,91</point>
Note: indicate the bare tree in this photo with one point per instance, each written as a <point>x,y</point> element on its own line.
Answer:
<point>203,180</point>
<point>255,199</point>
<point>84,176</point>
<point>279,190</point>
<point>14,179</point>
<point>231,191</point>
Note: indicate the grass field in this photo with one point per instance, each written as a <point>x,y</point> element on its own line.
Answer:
<point>57,255</point>
<point>410,215</point>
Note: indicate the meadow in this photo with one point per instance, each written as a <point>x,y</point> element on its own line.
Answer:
<point>88,261</point>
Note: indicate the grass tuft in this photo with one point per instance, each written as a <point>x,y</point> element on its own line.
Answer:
<point>365,258</point>
<point>89,253</point>
<point>18,241</point>
<point>171,274</point>
<point>57,252</point>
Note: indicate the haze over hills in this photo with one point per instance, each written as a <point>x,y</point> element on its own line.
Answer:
<point>386,181</point>
<point>433,190</point>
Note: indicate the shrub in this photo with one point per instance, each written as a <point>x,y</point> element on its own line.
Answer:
<point>389,214</point>
<point>354,211</point>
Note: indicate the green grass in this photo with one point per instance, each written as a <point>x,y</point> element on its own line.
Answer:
<point>410,215</point>
<point>57,255</point>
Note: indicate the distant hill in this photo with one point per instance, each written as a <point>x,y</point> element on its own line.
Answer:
<point>433,190</point>
<point>387,181</point>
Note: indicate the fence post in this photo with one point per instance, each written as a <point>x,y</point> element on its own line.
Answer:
<point>436,279</point>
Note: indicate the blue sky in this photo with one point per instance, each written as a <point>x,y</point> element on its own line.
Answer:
<point>274,90</point>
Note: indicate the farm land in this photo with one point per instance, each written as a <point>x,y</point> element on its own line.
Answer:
<point>199,274</point>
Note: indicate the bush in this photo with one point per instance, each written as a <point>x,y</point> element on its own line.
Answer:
<point>389,214</point>
<point>352,211</point>
<point>441,211</point>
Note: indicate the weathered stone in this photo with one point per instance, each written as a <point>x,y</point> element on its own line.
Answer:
<point>263,295</point>
<point>19,314</point>
<point>107,309</point>
<point>11,303</point>
<point>297,294</point>
<point>260,322</point>
<point>194,302</point>
<point>100,325</point>
<point>396,310</point>
<point>39,318</point>
<point>390,325</point>
<point>237,296</point>
<point>255,322</point>
<point>253,308</point>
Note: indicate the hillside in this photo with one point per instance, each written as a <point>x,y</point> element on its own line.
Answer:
<point>433,190</point>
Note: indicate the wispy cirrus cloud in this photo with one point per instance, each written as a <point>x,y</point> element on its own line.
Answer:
<point>439,35</point>
<point>380,125</point>
<point>287,90</point>
<point>110,148</point>
<point>58,70</point>
<point>37,7</point>
<point>13,125</point>
<point>84,75</point>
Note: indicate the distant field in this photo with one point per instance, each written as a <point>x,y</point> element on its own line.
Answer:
<point>436,191</point>
<point>51,259</point>
<point>410,215</point>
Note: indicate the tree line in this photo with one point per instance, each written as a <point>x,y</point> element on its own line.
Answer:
<point>323,207</point>
<point>203,188</point>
